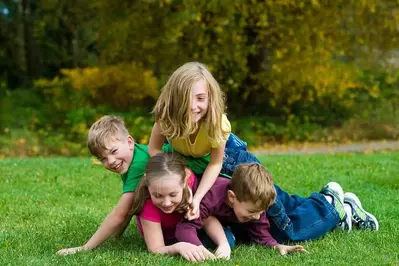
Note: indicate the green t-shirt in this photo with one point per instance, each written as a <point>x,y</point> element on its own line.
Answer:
<point>136,169</point>
<point>139,162</point>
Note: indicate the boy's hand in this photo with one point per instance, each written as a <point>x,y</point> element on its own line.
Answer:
<point>194,253</point>
<point>193,212</point>
<point>68,251</point>
<point>223,252</point>
<point>283,249</point>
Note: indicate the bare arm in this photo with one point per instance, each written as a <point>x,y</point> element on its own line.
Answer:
<point>119,232</point>
<point>113,224</point>
<point>212,171</point>
<point>156,140</point>
<point>214,230</point>
<point>154,240</point>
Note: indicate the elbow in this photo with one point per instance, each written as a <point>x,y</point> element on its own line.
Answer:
<point>153,250</point>
<point>152,151</point>
<point>120,217</point>
<point>157,250</point>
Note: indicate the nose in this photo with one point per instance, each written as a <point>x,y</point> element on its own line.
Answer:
<point>256,216</point>
<point>111,160</point>
<point>194,104</point>
<point>166,202</point>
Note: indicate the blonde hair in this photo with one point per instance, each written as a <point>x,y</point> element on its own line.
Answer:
<point>160,166</point>
<point>253,183</point>
<point>172,110</point>
<point>106,129</point>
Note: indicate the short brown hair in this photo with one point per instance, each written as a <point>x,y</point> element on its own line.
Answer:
<point>252,182</point>
<point>102,131</point>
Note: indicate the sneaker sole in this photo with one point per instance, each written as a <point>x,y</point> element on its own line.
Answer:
<point>353,201</point>
<point>335,188</point>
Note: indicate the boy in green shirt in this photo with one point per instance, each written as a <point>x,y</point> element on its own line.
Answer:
<point>111,143</point>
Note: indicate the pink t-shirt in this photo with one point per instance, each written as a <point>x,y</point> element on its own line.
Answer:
<point>168,221</point>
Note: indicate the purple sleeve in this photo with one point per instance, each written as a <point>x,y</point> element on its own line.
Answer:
<point>186,231</point>
<point>259,231</point>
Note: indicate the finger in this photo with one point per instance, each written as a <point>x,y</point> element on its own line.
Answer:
<point>65,251</point>
<point>199,256</point>
<point>191,257</point>
<point>190,197</point>
<point>218,254</point>
<point>223,256</point>
<point>60,252</point>
<point>208,254</point>
<point>184,255</point>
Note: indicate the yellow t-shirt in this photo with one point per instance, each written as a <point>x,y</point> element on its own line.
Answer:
<point>202,145</point>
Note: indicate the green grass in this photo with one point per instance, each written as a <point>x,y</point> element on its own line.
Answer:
<point>51,203</point>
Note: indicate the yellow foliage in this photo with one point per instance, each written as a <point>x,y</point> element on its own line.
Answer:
<point>119,85</point>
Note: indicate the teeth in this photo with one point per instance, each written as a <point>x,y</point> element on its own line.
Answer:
<point>117,166</point>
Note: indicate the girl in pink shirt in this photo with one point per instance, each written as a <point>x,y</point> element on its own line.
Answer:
<point>161,199</point>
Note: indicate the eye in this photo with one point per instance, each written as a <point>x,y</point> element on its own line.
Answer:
<point>173,194</point>
<point>156,195</point>
<point>114,151</point>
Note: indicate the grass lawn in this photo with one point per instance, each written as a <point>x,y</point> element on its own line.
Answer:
<point>51,203</point>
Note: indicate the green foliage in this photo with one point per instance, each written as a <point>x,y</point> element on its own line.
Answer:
<point>56,114</point>
<point>272,58</point>
<point>306,70</point>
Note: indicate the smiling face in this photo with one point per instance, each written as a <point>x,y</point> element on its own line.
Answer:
<point>199,100</point>
<point>118,155</point>
<point>167,192</point>
<point>246,210</point>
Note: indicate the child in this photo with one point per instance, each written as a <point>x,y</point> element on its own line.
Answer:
<point>110,142</point>
<point>301,219</point>
<point>251,191</point>
<point>189,114</point>
<point>243,199</point>
<point>162,195</point>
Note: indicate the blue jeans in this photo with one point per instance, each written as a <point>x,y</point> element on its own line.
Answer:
<point>298,219</point>
<point>236,153</point>
<point>291,217</point>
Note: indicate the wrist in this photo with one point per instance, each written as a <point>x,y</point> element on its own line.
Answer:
<point>197,198</point>
<point>224,244</point>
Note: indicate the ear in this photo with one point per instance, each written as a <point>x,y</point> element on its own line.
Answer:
<point>130,142</point>
<point>231,196</point>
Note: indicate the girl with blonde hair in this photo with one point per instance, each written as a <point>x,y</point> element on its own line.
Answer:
<point>190,115</point>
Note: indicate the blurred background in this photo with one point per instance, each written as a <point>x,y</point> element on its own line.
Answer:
<point>292,70</point>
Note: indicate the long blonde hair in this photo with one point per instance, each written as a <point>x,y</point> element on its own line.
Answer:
<point>160,166</point>
<point>172,110</point>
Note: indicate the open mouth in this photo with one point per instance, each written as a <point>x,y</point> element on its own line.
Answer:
<point>116,167</point>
